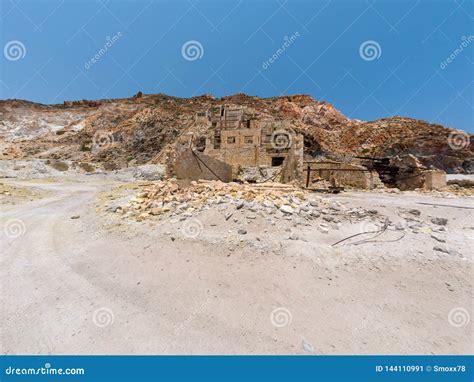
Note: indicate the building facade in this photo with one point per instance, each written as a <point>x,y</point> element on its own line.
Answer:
<point>239,139</point>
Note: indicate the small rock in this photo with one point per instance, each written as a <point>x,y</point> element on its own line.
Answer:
<point>75,217</point>
<point>438,238</point>
<point>228,215</point>
<point>400,226</point>
<point>293,236</point>
<point>439,221</point>
<point>254,208</point>
<point>450,287</point>
<point>268,204</point>
<point>239,205</point>
<point>242,231</point>
<point>304,208</point>
<point>286,209</point>
<point>323,228</point>
<point>155,211</point>
<point>414,212</point>
<point>442,248</point>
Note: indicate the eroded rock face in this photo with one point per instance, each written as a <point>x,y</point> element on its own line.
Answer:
<point>139,130</point>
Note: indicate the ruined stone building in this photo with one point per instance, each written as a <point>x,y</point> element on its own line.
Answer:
<point>241,140</point>
<point>341,174</point>
<point>233,142</point>
<point>236,140</point>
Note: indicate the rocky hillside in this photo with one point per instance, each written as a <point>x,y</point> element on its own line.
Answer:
<point>123,132</point>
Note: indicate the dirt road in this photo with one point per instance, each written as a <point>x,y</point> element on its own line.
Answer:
<point>71,286</point>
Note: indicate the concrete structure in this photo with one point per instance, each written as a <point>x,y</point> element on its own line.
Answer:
<point>185,161</point>
<point>193,165</point>
<point>341,174</point>
<point>412,174</point>
<point>434,179</point>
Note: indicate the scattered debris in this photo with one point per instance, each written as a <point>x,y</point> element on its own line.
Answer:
<point>438,238</point>
<point>439,221</point>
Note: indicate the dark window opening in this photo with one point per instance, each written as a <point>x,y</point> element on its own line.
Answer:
<point>248,123</point>
<point>217,139</point>
<point>277,161</point>
<point>222,111</point>
<point>231,140</point>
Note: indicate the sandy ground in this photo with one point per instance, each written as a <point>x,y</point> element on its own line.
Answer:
<point>77,280</point>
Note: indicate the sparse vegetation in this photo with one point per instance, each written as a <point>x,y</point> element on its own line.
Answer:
<point>58,165</point>
<point>86,145</point>
<point>87,167</point>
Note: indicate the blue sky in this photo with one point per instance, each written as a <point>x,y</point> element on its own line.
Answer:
<point>370,59</point>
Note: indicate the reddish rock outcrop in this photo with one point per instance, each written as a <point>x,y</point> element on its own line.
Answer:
<point>138,129</point>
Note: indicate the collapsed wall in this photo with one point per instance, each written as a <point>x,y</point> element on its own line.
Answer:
<point>413,175</point>
<point>341,174</point>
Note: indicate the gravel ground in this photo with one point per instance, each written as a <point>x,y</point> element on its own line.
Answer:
<point>77,277</point>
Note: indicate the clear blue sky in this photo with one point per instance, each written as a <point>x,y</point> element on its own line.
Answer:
<point>48,45</point>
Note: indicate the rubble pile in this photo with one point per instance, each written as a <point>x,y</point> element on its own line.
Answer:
<point>168,197</point>
<point>271,204</point>
<point>271,201</point>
